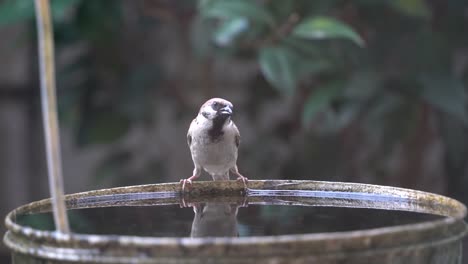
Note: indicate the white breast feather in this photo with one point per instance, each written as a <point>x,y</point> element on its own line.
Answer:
<point>214,157</point>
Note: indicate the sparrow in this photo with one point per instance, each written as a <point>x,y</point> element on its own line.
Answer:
<point>214,139</point>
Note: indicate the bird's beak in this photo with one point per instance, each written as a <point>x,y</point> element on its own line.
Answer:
<point>225,111</point>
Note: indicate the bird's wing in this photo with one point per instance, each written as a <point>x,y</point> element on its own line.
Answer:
<point>237,135</point>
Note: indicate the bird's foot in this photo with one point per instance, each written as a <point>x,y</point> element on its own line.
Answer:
<point>244,180</point>
<point>183,203</point>
<point>245,202</point>
<point>197,207</point>
<point>185,182</point>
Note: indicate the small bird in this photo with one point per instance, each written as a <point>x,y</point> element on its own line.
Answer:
<point>214,139</point>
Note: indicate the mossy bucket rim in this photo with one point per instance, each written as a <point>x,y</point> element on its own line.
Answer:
<point>136,249</point>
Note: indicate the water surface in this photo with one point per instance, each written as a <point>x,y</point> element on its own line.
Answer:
<point>267,215</point>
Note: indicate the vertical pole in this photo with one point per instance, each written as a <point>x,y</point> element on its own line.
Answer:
<point>49,113</point>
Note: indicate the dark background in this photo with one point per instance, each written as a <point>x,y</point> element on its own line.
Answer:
<point>357,91</point>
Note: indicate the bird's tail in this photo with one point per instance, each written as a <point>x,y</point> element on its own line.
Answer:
<point>221,177</point>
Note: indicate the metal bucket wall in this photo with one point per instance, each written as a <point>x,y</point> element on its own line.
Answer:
<point>436,241</point>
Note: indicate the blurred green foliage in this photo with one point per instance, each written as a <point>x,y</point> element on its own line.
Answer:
<point>299,43</point>
<point>45,221</point>
<point>394,68</point>
<point>381,65</point>
<point>97,119</point>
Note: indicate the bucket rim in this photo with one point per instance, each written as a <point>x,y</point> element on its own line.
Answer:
<point>450,228</point>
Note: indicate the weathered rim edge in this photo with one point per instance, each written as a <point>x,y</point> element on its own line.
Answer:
<point>446,229</point>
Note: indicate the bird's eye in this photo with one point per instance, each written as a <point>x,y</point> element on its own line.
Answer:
<point>215,105</point>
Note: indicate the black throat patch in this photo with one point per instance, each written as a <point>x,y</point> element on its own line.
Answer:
<point>216,131</point>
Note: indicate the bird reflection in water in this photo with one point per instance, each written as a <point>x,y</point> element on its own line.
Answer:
<point>215,219</point>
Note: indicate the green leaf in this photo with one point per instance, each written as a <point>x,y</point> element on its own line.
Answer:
<point>305,48</point>
<point>13,11</point>
<point>320,99</point>
<point>447,94</point>
<point>415,8</point>
<point>283,67</point>
<point>230,30</point>
<point>228,9</point>
<point>278,67</point>
<point>325,28</point>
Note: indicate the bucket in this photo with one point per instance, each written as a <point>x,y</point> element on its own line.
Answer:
<point>273,221</point>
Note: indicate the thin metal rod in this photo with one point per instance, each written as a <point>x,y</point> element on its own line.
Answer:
<point>49,113</point>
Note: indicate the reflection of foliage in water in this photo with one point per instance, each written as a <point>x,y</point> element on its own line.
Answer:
<point>363,80</point>
<point>79,223</point>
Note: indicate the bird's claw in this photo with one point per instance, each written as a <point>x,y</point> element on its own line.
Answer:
<point>183,203</point>
<point>244,180</point>
<point>185,182</point>
<point>197,207</point>
<point>245,202</point>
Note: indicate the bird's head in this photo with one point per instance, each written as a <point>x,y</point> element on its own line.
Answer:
<point>217,108</point>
